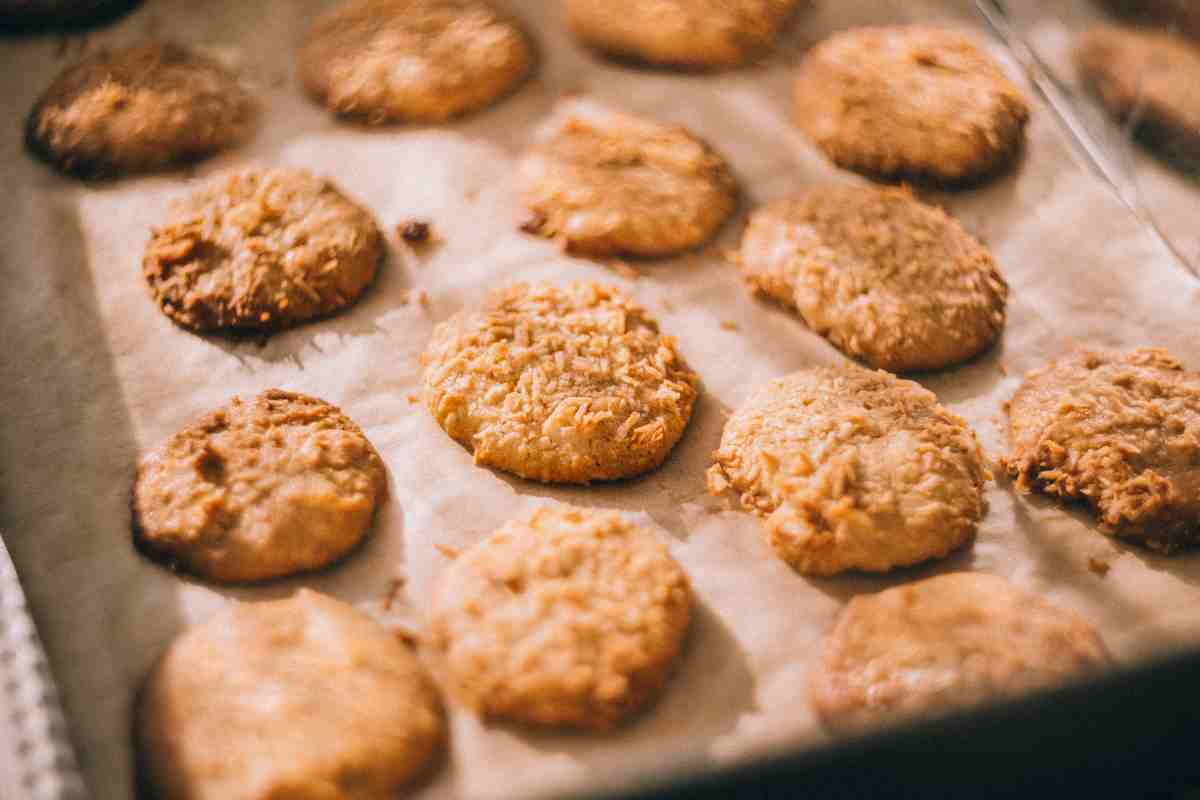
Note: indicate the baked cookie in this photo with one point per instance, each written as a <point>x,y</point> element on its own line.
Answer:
<point>852,470</point>
<point>566,616</point>
<point>1118,431</point>
<point>1151,76</point>
<point>412,60</point>
<point>910,102</point>
<point>603,182</point>
<point>883,276</point>
<point>261,249</point>
<point>681,33</point>
<point>144,107</point>
<point>563,384</point>
<point>36,15</point>
<point>945,643</point>
<point>304,698</point>
<point>281,484</point>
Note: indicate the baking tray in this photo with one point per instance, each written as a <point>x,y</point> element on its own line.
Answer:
<point>1126,730</point>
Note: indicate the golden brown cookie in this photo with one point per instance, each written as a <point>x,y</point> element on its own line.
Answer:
<point>942,644</point>
<point>144,107</point>
<point>1151,76</point>
<point>682,33</point>
<point>603,182</point>
<point>852,470</point>
<point>412,60</point>
<point>304,698</point>
<point>566,616</point>
<point>1118,431</point>
<point>281,484</point>
<point>883,276</point>
<point>910,102</point>
<point>261,249</point>
<point>563,384</point>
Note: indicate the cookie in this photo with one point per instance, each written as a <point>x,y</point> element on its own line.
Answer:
<point>145,107</point>
<point>258,489</point>
<point>1150,76</point>
<point>916,102</point>
<point>603,182</point>
<point>1119,431</point>
<point>883,276</point>
<point>261,249</point>
<point>412,60</point>
<point>942,644</point>
<point>563,384</point>
<point>564,617</point>
<point>304,698</point>
<point>39,15</point>
<point>681,33</point>
<point>852,470</point>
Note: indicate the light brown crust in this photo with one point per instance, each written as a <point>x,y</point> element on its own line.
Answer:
<point>278,485</point>
<point>144,107</point>
<point>914,101</point>
<point>945,643</point>
<point>412,60</point>
<point>852,470</point>
<point>563,384</point>
<point>681,33</point>
<point>261,249</point>
<point>304,698</point>
<point>566,616</point>
<point>603,182</point>
<point>1155,75</point>
<point>883,276</point>
<point>1118,431</point>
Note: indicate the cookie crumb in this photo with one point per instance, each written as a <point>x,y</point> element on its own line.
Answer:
<point>448,551</point>
<point>623,268</point>
<point>415,231</point>
<point>395,586</point>
<point>413,399</point>
<point>406,636</point>
<point>730,325</point>
<point>1002,367</point>
<point>1099,566</point>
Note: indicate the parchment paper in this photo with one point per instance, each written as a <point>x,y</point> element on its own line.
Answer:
<point>91,373</point>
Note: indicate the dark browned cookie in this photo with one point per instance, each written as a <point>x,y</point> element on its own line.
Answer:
<point>412,60</point>
<point>1118,431</point>
<point>681,33</point>
<point>883,276</point>
<point>1153,77</point>
<point>144,107</point>
<point>281,484</point>
<point>910,102</point>
<point>40,15</point>
<point>261,249</point>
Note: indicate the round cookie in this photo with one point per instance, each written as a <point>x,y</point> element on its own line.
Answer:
<point>883,276</point>
<point>1151,75</point>
<point>412,60</point>
<point>945,643</point>
<point>1118,431</point>
<point>566,616</point>
<point>304,698</point>
<point>148,106</point>
<point>281,484</point>
<point>261,249</point>
<point>563,384</point>
<point>603,183</point>
<point>681,33</point>
<point>852,470</point>
<point>910,102</point>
